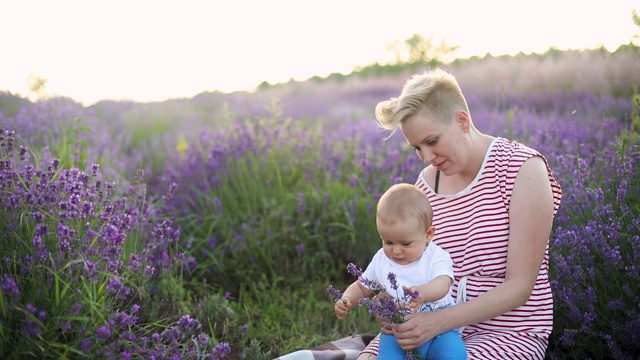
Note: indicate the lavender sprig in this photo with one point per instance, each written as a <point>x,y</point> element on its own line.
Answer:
<point>389,308</point>
<point>334,293</point>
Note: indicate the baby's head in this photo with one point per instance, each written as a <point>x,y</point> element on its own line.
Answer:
<point>402,202</point>
<point>403,219</point>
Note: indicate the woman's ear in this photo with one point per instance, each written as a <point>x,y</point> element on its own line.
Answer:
<point>464,120</point>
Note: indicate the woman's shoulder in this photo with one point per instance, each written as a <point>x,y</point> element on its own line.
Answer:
<point>512,147</point>
<point>511,153</point>
<point>425,178</point>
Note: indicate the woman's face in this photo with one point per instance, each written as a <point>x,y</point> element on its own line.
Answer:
<point>437,143</point>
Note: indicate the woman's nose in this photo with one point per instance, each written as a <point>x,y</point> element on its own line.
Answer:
<point>427,155</point>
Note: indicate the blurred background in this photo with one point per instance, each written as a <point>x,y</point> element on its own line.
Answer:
<point>159,50</point>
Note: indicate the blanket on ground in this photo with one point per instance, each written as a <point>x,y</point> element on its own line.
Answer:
<point>343,349</point>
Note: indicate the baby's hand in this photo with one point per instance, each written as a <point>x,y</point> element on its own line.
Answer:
<point>342,308</point>
<point>413,295</point>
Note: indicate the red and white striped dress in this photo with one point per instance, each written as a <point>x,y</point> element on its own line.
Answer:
<point>473,226</point>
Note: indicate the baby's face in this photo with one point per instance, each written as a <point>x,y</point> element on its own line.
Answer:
<point>403,241</point>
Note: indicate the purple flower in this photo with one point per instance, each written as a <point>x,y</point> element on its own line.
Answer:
<point>202,339</point>
<point>115,287</point>
<point>10,288</point>
<point>65,326</point>
<point>381,304</point>
<point>126,354</point>
<point>103,332</point>
<point>122,320</point>
<point>32,328</point>
<point>212,242</point>
<point>408,294</point>
<point>75,308</point>
<point>334,293</point>
<point>149,271</point>
<point>85,346</point>
<point>41,230</point>
<point>354,270</point>
<point>134,263</point>
<point>372,285</point>
<point>392,279</point>
<point>189,324</point>
<point>32,309</point>
<point>221,351</point>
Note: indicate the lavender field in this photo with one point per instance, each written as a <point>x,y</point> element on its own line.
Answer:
<point>210,227</point>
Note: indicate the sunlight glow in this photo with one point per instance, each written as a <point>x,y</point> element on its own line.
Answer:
<point>154,50</point>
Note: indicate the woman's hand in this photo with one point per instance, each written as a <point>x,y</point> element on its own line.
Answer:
<point>417,329</point>
<point>385,327</point>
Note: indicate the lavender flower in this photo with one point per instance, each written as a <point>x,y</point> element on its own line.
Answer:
<point>408,294</point>
<point>221,351</point>
<point>85,346</point>
<point>382,303</point>
<point>354,270</point>
<point>334,293</point>
<point>10,288</point>
<point>103,332</point>
<point>392,279</point>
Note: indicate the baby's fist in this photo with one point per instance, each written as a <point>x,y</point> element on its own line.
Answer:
<point>342,308</point>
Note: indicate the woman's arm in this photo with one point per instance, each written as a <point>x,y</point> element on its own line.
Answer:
<point>531,218</point>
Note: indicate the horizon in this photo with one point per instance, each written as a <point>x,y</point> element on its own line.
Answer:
<point>151,51</point>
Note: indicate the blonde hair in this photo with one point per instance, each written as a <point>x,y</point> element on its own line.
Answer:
<point>435,92</point>
<point>402,202</point>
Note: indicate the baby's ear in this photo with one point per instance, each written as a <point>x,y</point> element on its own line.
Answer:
<point>430,232</point>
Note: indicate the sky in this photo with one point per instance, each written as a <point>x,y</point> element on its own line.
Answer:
<point>154,50</point>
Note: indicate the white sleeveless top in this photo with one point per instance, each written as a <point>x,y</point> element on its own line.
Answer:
<point>473,226</point>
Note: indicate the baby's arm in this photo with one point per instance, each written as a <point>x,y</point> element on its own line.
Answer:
<point>350,298</point>
<point>434,290</point>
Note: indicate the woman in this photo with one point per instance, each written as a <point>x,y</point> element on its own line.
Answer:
<point>493,201</point>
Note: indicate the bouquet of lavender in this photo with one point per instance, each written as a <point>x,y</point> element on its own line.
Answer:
<point>392,309</point>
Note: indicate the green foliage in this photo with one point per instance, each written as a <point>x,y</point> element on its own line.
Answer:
<point>72,145</point>
<point>254,351</point>
<point>282,315</point>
